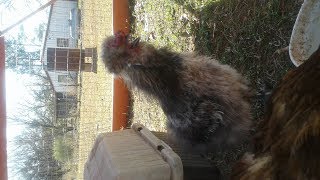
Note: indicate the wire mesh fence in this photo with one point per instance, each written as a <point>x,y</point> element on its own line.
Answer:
<point>95,90</point>
<point>183,26</point>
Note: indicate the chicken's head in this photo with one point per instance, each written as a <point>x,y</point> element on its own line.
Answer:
<point>116,50</point>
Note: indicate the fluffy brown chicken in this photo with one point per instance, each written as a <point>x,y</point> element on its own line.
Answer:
<point>288,143</point>
<point>206,103</point>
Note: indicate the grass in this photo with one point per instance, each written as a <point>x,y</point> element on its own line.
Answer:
<point>246,34</point>
<point>62,149</point>
<point>249,35</point>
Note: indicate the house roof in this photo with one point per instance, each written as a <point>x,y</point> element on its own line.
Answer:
<point>42,58</point>
<point>46,35</point>
<point>44,46</point>
<point>50,80</point>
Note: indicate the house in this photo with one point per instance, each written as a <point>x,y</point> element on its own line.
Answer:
<point>61,56</point>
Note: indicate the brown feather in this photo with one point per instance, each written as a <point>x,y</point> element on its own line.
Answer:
<point>290,132</point>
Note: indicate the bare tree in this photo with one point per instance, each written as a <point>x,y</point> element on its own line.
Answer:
<point>34,156</point>
<point>26,17</point>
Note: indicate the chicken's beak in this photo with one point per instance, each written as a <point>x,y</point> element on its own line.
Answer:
<point>135,43</point>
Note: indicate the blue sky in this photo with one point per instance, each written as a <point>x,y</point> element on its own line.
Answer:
<point>16,90</point>
<point>21,9</point>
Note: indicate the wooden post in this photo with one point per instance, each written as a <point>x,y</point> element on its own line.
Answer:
<point>120,91</point>
<point>3,152</point>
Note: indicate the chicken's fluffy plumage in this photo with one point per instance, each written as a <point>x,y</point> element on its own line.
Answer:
<point>206,103</point>
<point>288,143</point>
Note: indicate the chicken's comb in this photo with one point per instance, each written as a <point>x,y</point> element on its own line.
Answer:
<point>120,34</point>
<point>120,38</point>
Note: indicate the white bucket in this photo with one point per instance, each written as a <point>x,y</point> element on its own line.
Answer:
<point>305,37</point>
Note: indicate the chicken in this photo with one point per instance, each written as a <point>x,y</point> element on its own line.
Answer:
<point>287,144</point>
<point>206,103</point>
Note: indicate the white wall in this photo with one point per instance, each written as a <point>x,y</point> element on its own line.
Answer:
<point>59,28</point>
<point>59,25</point>
<point>63,86</point>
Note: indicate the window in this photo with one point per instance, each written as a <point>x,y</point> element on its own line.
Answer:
<point>64,79</point>
<point>62,42</point>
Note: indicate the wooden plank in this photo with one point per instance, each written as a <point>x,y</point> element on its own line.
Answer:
<point>3,153</point>
<point>120,91</point>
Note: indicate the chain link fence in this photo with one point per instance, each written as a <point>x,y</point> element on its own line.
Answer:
<point>183,26</point>
<point>95,90</point>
